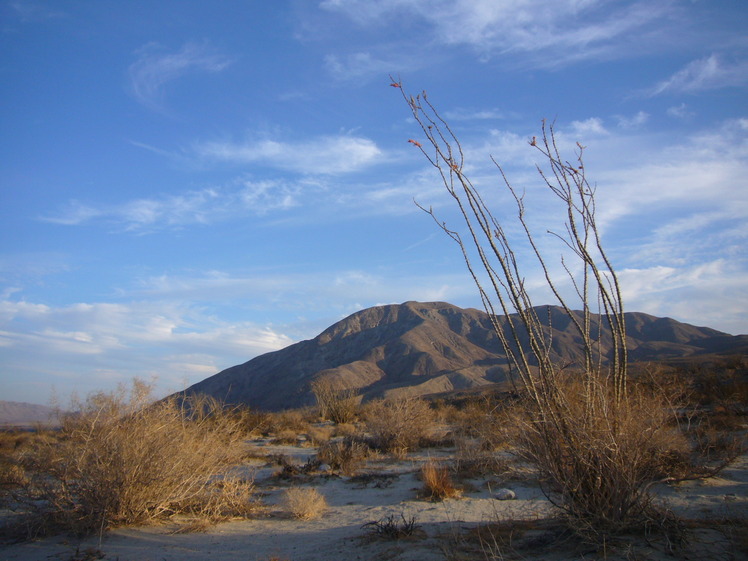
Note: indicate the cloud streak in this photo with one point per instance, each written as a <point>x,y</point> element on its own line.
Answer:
<point>197,207</point>
<point>325,155</point>
<point>706,73</point>
<point>547,33</point>
<point>155,68</point>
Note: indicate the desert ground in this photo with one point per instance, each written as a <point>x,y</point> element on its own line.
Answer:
<point>478,524</point>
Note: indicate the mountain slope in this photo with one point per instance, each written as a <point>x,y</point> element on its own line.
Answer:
<point>424,348</point>
<point>15,413</point>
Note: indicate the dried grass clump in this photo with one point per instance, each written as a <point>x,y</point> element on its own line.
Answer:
<point>437,483</point>
<point>347,455</point>
<point>304,503</point>
<point>397,426</point>
<point>338,404</point>
<point>123,460</point>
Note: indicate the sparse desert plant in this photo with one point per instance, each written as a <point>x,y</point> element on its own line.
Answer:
<point>286,436</point>
<point>597,454</point>
<point>437,482</point>
<point>122,459</point>
<point>347,455</point>
<point>339,405</point>
<point>596,446</point>
<point>319,436</point>
<point>291,420</point>
<point>391,527</point>
<point>397,426</point>
<point>304,503</point>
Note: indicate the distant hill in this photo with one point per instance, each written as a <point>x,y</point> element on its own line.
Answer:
<point>428,348</point>
<point>18,414</point>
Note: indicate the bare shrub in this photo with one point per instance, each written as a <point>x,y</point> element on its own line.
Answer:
<point>320,435</point>
<point>345,429</point>
<point>437,483</point>
<point>286,436</point>
<point>339,405</point>
<point>392,528</point>
<point>596,455</point>
<point>121,459</point>
<point>304,503</point>
<point>347,455</point>
<point>397,426</point>
<point>597,446</point>
<point>291,420</point>
<point>472,459</point>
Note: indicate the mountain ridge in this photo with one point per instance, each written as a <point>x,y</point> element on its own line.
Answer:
<point>417,348</point>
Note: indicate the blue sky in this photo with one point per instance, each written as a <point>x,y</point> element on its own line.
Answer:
<point>186,185</point>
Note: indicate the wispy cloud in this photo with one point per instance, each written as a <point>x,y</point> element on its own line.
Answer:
<point>634,122</point>
<point>142,338</point>
<point>32,11</point>
<point>355,66</point>
<point>548,33</point>
<point>205,206</point>
<point>706,73</point>
<point>156,67</point>
<point>326,155</point>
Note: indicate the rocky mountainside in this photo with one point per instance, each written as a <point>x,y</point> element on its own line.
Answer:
<point>427,348</point>
<point>19,414</point>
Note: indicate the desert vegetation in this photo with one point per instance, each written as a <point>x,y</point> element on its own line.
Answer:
<point>90,477</point>
<point>121,459</point>
<point>597,443</point>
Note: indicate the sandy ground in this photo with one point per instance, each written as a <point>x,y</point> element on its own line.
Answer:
<point>444,528</point>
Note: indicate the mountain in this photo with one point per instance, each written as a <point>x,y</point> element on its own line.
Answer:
<point>427,348</point>
<point>18,414</point>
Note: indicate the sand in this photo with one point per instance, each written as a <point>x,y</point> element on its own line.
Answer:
<point>392,488</point>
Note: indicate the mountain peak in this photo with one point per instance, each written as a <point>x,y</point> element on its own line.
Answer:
<point>421,348</point>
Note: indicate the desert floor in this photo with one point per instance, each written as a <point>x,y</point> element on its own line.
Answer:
<point>714,512</point>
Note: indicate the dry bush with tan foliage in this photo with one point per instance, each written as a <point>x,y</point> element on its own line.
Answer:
<point>397,426</point>
<point>304,503</point>
<point>122,459</point>
<point>596,455</point>
<point>437,482</point>
<point>346,456</point>
<point>337,404</point>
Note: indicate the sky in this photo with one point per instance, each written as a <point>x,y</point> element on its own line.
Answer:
<point>185,185</point>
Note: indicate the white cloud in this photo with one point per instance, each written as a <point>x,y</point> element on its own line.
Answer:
<point>326,155</point>
<point>205,206</point>
<point>155,68</point>
<point>704,74</point>
<point>692,293</point>
<point>680,111</point>
<point>139,338</point>
<point>634,122</point>
<point>553,33</point>
<point>589,128</point>
<point>355,66</point>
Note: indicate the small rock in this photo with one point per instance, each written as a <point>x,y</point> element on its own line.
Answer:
<point>505,495</point>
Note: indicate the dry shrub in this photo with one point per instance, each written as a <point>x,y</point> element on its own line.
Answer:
<point>292,420</point>
<point>390,528</point>
<point>397,426</point>
<point>304,503</point>
<point>320,435</point>
<point>339,405</point>
<point>344,429</point>
<point>286,436</point>
<point>596,455</point>
<point>473,460</point>
<point>347,455</point>
<point>123,460</point>
<point>437,483</point>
